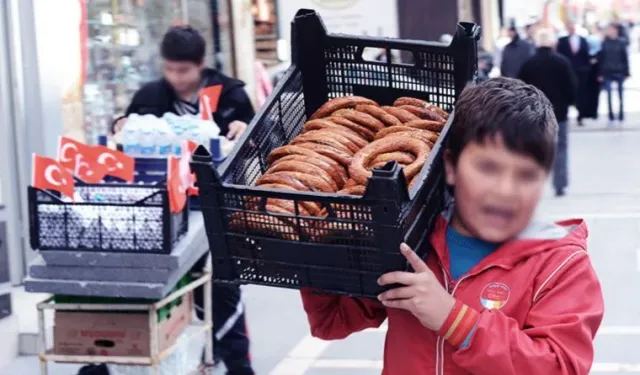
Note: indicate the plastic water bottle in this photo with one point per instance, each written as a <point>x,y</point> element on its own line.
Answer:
<point>131,135</point>
<point>147,136</point>
<point>164,139</point>
<point>208,130</point>
<point>193,132</point>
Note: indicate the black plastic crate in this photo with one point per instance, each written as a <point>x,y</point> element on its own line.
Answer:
<point>154,171</point>
<point>359,240</point>
<point>111,217</point>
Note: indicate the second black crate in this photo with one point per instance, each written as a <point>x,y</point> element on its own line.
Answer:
<point>107,217</point>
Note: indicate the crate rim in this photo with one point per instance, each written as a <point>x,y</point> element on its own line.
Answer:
<point>119,204</point>
<point>471,30</point>
<point>463,29</point>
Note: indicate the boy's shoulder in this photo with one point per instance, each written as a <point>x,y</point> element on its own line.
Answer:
<point>558,244</point>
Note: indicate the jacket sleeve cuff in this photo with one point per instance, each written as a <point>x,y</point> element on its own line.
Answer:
<point>459,325</point>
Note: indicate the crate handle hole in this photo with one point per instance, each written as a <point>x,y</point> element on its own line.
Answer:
<point>104,343</point>
<point>380,55</point>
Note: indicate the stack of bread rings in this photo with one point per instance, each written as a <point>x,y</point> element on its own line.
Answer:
<point>342,143</point>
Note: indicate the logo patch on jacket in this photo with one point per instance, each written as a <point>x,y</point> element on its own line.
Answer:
<point>494,296</point>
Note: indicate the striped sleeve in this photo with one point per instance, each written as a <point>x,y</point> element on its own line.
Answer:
<point>459,326</point>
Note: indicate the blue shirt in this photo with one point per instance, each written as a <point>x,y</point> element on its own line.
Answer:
<point>465,252</point>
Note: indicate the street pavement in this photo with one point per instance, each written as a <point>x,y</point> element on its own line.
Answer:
<point>604,189</point>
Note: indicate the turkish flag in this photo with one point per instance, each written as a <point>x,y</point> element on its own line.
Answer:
<point>118,164</point>
<point>68,149</point>
<point>209,98</point>
<point>187,179</point>
<point>48,174</point>
<point>176,191</point>
<point>88,170</point>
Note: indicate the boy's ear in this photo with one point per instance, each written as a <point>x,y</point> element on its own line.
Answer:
<point>449,168</point>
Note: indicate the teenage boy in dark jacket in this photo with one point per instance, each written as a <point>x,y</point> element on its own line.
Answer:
<point>184,75</point>
<point>183,52</point>
<point>552,74</point>
<point>614,68</point>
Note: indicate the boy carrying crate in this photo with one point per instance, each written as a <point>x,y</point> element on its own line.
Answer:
<point>500,293</point>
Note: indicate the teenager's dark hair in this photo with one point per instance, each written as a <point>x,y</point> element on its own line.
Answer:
<point>183,43</point>
<point>518,112</point>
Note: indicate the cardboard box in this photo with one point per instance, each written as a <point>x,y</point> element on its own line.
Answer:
<point>117,334</point>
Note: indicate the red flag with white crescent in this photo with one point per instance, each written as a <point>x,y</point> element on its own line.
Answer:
<point>118,164</point>
<point>51,175</point>
<point>68,150</point>
<point>89,171</point>
<point>187,179</point>
<point>176,191</point>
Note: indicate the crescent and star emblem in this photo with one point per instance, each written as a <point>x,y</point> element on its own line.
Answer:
<point>102,159</point>
<point>48,174</point>
<point>63,152</point>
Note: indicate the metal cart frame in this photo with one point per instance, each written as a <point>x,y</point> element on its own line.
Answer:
<point>153,360</point>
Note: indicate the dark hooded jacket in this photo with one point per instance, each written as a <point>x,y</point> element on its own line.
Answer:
<point>514,55</point>
<point>158,97</point>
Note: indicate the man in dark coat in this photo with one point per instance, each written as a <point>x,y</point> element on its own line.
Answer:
<point>515,54</point>
<point>552,74</point>
<point>576,49</point>
<point>614,68</point>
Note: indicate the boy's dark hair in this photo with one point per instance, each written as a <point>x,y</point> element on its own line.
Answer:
<point>520,113</point>
<point>183,43</point>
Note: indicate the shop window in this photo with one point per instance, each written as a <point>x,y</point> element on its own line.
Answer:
<point>122,38</point>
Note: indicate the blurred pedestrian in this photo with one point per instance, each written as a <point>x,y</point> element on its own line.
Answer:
<point>614,68</point>
<point>485,64</point>
<point>593,86</point>
<point>501,42</point>
<point>530,32</point>
<point>552,74</point>
<point>515,54</point>
<point>575,48</point>
<point>622,29</point>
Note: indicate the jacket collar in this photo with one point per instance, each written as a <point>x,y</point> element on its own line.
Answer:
<point>537,238</point>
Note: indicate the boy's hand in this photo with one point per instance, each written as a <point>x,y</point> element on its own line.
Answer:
<point>117,127</point>
<point>423,296</point>
<point>236,129</point>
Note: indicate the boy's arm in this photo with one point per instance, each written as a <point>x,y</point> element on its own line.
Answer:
<point>234,105</point>
<point>625,62</point>
<point>557,337</point>
<point>334,317</point>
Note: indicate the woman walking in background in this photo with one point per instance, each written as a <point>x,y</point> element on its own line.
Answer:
<point>592,85</point>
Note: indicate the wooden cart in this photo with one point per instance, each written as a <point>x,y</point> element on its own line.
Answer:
<point>155,357</point>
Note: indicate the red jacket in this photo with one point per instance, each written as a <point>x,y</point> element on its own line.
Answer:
<point>531,307</point>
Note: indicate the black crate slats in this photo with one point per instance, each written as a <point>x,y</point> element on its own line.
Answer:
<point>107,218</point>
<point>346,251</point>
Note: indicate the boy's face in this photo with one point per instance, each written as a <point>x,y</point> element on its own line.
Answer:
<point>182,75</point>
<point>496,190</point>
